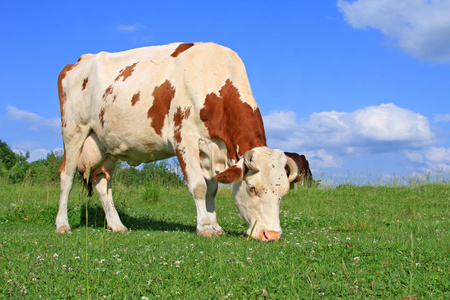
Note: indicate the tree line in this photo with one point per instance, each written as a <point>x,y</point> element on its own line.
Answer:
<point>15,168</point>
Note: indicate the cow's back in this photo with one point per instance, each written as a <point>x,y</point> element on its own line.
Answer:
<point>130,99</point>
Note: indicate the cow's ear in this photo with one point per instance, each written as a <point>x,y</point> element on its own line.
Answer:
<point>230,175</point>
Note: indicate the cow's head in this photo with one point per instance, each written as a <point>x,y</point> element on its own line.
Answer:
<point>260,181</point>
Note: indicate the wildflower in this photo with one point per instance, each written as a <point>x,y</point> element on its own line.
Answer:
<point>55,255</point>
<point>77,257</point>
<point>23,289</point>
<point>144,298</point>
<point>356,258</point>
<point>117,273</point>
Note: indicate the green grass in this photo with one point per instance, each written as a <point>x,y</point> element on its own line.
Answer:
<point>343,243</point>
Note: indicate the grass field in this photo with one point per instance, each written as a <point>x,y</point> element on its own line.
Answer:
<point>339,243</point>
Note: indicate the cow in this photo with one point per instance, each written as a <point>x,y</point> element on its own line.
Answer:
<point>304,173</point>
<point>189,100</point>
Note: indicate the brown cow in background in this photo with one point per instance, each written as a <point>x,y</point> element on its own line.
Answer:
<point>304,173</point>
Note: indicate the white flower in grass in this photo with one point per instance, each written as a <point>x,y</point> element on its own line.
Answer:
<point>144,298</point>
<point>117,273</point>
<point>23,289</point>
<point>55,255</point>
<point>356,258</point>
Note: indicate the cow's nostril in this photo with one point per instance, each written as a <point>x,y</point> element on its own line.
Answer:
<point>269,235</point>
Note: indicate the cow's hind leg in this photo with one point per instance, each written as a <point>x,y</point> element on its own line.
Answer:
<point>67,171</point>
<point>102,167</point>
<point>104,190</point>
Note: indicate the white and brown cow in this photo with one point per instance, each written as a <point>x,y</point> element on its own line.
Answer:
<point>189,100</point>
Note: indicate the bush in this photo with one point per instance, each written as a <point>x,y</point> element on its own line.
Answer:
<point>19,171</point>
<point>8,157</point>
<point>160,173</point>
<point>47,170</point>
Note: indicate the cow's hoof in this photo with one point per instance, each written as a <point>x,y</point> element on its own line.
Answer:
<point>218,232</point>
<point>63,229</point>
<point>210,232</point>
<point>118,229</point>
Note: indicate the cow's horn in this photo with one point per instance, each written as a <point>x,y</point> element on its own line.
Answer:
<point>293,168</point>
<point>248,161</point>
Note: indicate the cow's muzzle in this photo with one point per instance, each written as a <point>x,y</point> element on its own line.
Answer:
<point>267,235</point>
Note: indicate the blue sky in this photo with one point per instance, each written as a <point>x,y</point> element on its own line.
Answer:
<point>359,87</point>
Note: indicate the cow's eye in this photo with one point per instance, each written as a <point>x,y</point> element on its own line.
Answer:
<point>252,189</point>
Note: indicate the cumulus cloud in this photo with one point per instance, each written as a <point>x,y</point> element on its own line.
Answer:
<point>330,136</point>
<point>130,28</point>
<point>37,122</point>
<point>419,27</point>
<point>435,158</point>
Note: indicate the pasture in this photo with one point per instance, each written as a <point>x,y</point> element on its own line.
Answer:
<point>347,242</point>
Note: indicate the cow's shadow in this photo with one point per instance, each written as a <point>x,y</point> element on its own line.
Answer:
<point>96,219</point>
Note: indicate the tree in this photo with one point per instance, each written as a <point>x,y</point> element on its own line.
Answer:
<point>7,156</point>
<point>17,173</point>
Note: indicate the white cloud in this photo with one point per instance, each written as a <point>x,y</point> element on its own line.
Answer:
<point>280,120</point>
<point>37,122</point>
<point>445,118</point>
<point>38,153</point>
<point>330,136</point>
<point>419,27</point>
<point>130,28</point>
<point>436,158</point>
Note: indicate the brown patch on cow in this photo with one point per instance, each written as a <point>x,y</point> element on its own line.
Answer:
<point>162,97</point>
<point>101,116</point>
<point>61,94</point>
<point>108,92</point>
<point>230,175</point>
<point>235,122</point>
<point>178,118</point>
<point>62,168</point>
<point>136,97</point>
<point>85,81</point>
<point>181,48</point>
<point>125,73</point>
<point>180,153</point>
<point>200,191</point>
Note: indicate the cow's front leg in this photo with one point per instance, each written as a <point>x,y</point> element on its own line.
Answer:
<point>211,192</point>
<point>204,193</point>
